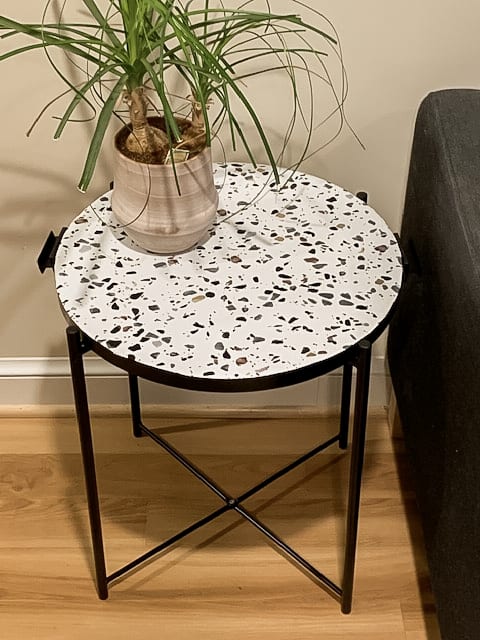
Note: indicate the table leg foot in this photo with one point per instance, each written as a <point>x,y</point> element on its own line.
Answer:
<point>346,607</point>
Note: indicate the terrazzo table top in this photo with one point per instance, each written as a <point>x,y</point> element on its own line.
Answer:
<point>287,278</point>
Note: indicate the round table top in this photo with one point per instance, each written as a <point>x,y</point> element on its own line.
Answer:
<point>288,277</point>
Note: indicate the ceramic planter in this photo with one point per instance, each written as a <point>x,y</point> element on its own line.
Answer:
<point>156,214</point>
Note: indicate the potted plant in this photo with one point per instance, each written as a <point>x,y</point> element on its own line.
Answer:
<point>136,53</point>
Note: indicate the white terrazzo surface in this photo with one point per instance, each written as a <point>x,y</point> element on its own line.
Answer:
<point>293,279</point>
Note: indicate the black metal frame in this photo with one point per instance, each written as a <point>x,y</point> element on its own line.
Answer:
<point>358,357</point>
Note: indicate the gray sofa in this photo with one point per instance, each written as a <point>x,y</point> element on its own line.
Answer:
<point>434,349</point>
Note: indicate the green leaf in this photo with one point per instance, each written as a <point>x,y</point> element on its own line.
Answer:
<point>99,134</point>
<point>103,22</point>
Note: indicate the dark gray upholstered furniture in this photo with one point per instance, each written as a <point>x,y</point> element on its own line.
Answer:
<point>434,349</point>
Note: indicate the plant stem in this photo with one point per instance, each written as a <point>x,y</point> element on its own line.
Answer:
<point>138,117</point>
<point>197,116</point>
<point>145,140</point>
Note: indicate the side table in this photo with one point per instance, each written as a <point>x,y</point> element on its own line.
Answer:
<point>290,284</point>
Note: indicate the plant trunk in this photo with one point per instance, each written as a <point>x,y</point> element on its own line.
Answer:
<point>145,143</point>
<point>194,138</point>
<point>198,120</point>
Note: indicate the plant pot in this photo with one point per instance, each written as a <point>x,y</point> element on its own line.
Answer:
<point>156,214</point>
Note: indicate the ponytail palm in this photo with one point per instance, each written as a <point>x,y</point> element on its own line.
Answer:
<point>128,49</point>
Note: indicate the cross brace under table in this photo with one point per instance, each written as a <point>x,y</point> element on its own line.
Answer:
<point>360,357</point>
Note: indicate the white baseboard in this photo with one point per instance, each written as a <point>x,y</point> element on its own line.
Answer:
<point>46,381</point>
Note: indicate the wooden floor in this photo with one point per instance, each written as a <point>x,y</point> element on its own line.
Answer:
<point>224,581</point>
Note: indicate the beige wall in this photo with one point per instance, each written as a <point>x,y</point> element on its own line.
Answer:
<point>395,53</point>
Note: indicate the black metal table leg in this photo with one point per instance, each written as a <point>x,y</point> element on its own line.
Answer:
<point>76,351</point>
<point>356,468</point>
<point>345,407</point>
<point>135,405</point>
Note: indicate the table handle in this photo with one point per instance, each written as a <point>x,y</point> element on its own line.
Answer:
<point>46,259</point>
